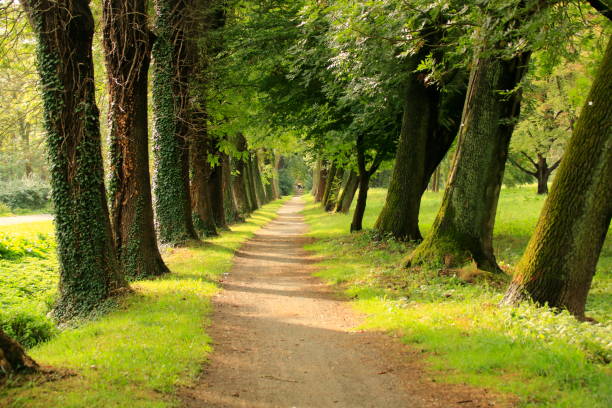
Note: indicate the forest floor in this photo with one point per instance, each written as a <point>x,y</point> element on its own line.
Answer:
<point>282,338</point>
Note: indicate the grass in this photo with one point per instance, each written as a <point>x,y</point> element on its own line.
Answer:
<point>545,359</point>
<point>153,342</point>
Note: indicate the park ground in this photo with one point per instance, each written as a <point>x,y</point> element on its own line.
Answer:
<point>149,350</point>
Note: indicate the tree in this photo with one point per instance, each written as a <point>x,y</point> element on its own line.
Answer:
<point>127,42</point>
<point>560,260</point>
<point>348,193</point>
<point>431,118</point>
<point>172,52</point>
<point>13,359</point>
<point>463,229</point>
<point>89,271</point>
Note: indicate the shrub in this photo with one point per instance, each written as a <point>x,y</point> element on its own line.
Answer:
<point>28,326</point>
<point>27,194</point>
<point>16,247</point>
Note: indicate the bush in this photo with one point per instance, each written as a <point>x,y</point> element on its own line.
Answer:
<point>285,181</point>
<point>4,209</point>
<point>29,194</point>
<point>16,247</point>
<point>29,327</point>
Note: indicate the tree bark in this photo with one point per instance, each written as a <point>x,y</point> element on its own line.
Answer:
<point>215,184</point>
<point>232,214</point>
<point>463,229</point>
<point>329,181</point>
<point>201,205</point>
<point>334,192</point>
<point>316,175</point>
<point>322,183</point>
<point>424,141</point>
<point>561,257</point>
<point>127,43</point>
<point>364,184</point>
<point>348,193</point>
<point>257,180</point>
<point>252,189</point>
<point>173,62</point>
<point>13,358</point>
<point>89,270</point>
<point>238,184</point>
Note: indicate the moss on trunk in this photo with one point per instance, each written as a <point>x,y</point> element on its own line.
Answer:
<point>560,260</point>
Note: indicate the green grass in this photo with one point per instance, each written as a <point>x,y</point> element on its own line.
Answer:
<point>154,341</point>
<point>546,359</point>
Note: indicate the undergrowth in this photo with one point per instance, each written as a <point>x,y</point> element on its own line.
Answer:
<point>547,359</point>
<point>139,353</point>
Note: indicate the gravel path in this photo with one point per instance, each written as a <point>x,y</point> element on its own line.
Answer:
<point>283,339</point>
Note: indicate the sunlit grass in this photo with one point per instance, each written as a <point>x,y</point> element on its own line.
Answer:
<point>546,359</point>
<point>139,353</point>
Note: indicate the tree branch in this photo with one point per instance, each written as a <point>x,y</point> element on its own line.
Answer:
<point>530,159</point>
<point>602,7</point>
<point>554,166</point>
<point>521,167</point>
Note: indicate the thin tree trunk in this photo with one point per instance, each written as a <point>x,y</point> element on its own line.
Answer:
<point>316,176</point>
<point>275,176</point>
<point>128,53</point>
<point>13,358</point>
<point>172,53</point>
<point>215,185</point>
<point>362,197</point>
<point>560,260</point>
<point>322,183</point>
<point>251,182</point>
<point>463,229</point>
<point>348,193</point>
<point>89,270</point>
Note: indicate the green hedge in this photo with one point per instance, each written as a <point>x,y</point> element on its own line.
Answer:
<point>25,194</point>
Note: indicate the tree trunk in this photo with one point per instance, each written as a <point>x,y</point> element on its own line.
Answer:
<point>362,197</point>
<point>231,208</point>
<point>89,270</point>
<point>560,260</point>
<point>316,176</point>
<point>170,91</point>
<point>334,192</point>
<point>322,183</point>
<point>238,186</point>
<point>128,53</point>
<point>275,176</point>
<point>13,359</point>
<point>215,184</point>
<point>259,187</point>
<point>463,229</point>
<point>329,181</point>
<point>251,182</point>
<point>348,193</point>
<point>424,141</point>
<point>201,205</point>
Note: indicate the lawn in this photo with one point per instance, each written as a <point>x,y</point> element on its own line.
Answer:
<point>152,342</point>
<point>545,359</point>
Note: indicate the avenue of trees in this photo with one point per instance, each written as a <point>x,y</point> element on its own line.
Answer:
<point>237,88</point>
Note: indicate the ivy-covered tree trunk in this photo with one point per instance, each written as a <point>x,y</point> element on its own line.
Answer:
<point>240,178</point>
<point>13,358</point>
<point>201,205</point>
<point>348,193</point>
<point>171,52</point>
<point>334,191</point>
<point>560,260</point>
<point>89,270</point>
<point>463,229</point>
<point>127,45</point>
<point>429,125</point>
<point>329,181</point>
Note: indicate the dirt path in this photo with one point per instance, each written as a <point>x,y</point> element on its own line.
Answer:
<point>22,219</point>
<point>282,339</point>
